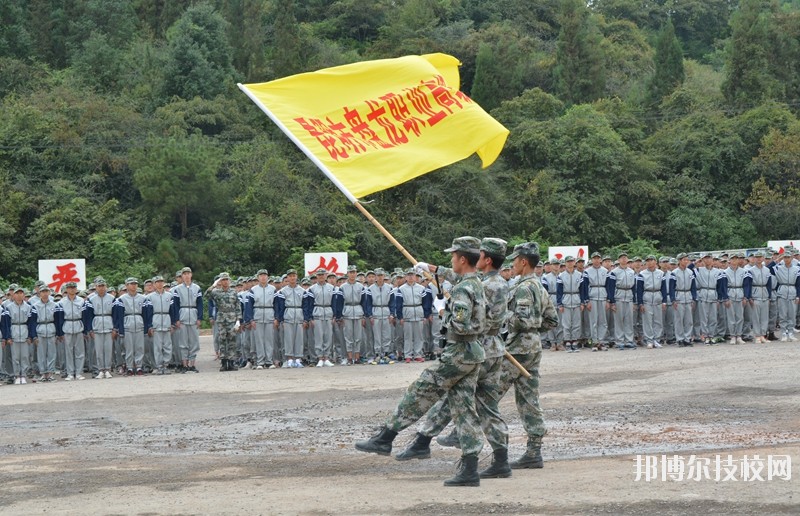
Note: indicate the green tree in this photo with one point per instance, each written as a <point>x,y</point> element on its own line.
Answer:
<point>177,178</point>
<point>15,40</point>
<point>198,54</point>
<point>580,72</point>
<point>668,61</point>
<point>285,54</point>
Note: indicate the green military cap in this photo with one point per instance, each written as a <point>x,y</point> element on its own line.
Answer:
<point>12,287</point>
<point>150,280</point>
<point>262,271</point>
<point>83,293</point>
<point>38,283</point>
<point>569,259</point>
<point>173,284</point>
<point>524,249</point>
<point>305,281</point>
<point>320,271</point>
<point>597,254</point>
<point>91,286</point>
<point>71,284</point>
<point>352,268</point>
<point>291,271</point>
<point>330,274</point>
<point>18,289</point>
<point>341,278</point>
<point>224,275</point>
<point>57,295</point>
<point>606,257</point>
<point>681,256</point>
<point>650,257</point>
<point>580,259</point>
<point>494,246</point>
<point>540,264</point>
<point>398,270</point>
<point>637,258</point>
<point>410,270</point>
<point>546,262</point>
<point>370,272</point>
<point>664,259</point>
<point>621,254</point>
<point>178,274</point>
<point>120,287</point>
<point>380,272</point>
<point>465,244</point>
<point>156,279</point>
<point>759,254</point>
<point>131,280</point>
<point>45,287</point>
<point>562,262</point>
<point>100,281</point>
<point>673,261</point>
<point>707,254</point>
<point>186,269</point>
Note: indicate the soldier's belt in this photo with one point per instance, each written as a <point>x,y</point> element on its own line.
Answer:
<point>19,324</point>
<point>352,304</point>
<point>411,306</point>
<point>653,290</point>
<point>734,288</point>
<point>160,313</point>
<point>683,290</point>
<point>263,306</point>
<point>571,292</point>
<point>463,338</point>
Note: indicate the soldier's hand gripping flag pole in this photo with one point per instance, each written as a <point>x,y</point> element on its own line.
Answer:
<point>372,125</point>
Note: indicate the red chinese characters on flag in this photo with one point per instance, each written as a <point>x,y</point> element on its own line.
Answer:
<point>56,273</point>
<point>389,120</point>
<point>335,263</point>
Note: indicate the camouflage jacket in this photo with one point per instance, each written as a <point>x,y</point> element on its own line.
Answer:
<point>496,290</point>
<point>465,318</point>
<point>530,311</point>
<point>229,309</point>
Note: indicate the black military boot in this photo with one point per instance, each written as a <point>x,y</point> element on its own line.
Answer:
<point>449,441</point>
<point>419,449</point>
<point>499,467</point>
<point>467,473</point>
<point>380,444</point>
<point>223,365</point>
<point>531,459</point>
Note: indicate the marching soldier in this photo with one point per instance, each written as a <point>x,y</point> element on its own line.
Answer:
<point>456,372</point>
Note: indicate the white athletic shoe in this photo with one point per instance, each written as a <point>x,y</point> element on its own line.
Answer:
<point>273,366</point>
<point>288,364</point>
<point>108,374</point>
<point>23,381</point>
<point>327,363</point>
<point>298,364</point>
<point>99,376</point>
<point>657,345</point>
<point>343,361</point>
<point>68,379</point>
<point>80,377</point>
<point>320,363</point>
<point>259,366</point>
<point>18,381</point>
<point>739,340</point>
<point>650,346</point>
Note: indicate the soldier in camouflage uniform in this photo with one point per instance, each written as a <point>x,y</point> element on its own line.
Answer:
<point>487,393</point>
<point>229,311</point>
<point>455,374</point>
<point>531,311</point>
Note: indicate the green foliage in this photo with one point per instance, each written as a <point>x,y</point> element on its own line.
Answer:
<point>580,72</point>
<point>668,61</point>
<point>124,140</point>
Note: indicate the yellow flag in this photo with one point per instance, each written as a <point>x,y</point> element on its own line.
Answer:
<point>376,124</point>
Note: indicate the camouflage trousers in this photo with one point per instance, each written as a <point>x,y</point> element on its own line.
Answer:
<point>526,393</point>
<point>487,398</point>
<point>228,345</point>
<point>450,377</point>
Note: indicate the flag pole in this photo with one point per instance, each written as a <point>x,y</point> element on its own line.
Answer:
<point>350,197</point>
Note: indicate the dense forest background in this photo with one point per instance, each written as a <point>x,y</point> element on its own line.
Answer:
<point>637,124</point>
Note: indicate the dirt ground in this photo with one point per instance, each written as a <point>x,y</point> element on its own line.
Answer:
<point>281,441</point>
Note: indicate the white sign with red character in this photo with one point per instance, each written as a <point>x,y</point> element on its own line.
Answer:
<point>56,273</point>
<point>331,262</point>
<point>561,252</point>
